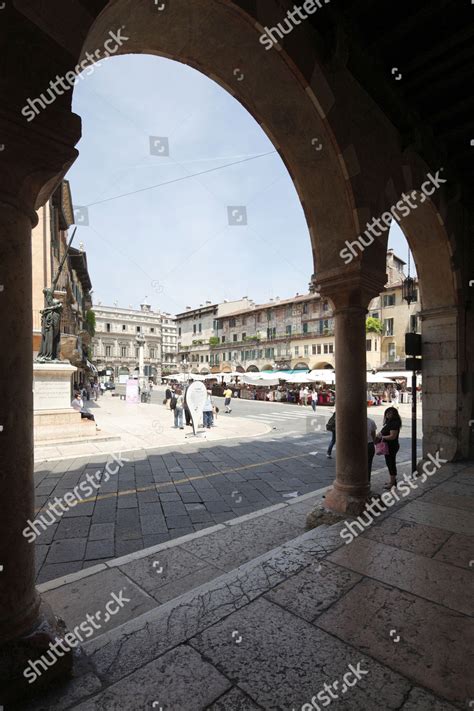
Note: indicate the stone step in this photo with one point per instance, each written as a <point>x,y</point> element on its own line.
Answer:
<point>123,648</point>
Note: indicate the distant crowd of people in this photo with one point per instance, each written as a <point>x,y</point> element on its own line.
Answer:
<point>175,400</point>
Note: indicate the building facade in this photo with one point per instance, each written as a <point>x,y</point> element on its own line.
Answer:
<point>298,333</point>
<point>116,348</point>
<point>49,244</point>
<point>197,332</point>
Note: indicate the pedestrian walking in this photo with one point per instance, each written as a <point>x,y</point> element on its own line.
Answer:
<point>314,399</point>
<point>302,398</point>
<point>168,396</point>
<point>331,427</point>
<point>371,436</point>
<point>178,409</point>
<point>228,399</point>
<point>207,411</point>
<point>389,434</point>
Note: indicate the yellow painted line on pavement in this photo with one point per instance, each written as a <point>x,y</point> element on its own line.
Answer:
<point>152,487</point>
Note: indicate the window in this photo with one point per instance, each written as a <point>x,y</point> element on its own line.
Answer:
<point>297,350</point>
<point>388,300</point>
<point>305,328</point>
<point>194,328</point>
<point>259,318</point>
<point>375,345</point>
<point>207,359</point>
<point>179,331</point>
<point>234,337</point>
<point>244,336</point>
<point>331,348</point>
<point>123,351</point>
<point>200,328</point>
<point>326,348</point>
<point>223,356</point>
<point>211,360</point>
<point>107,327</point>
<point>152,329</point>
<point>244,320</point>
<point>108,350</point>
<point>319,350</point>
<point>223,339</point>
<point>413,323</point>
<point>392,351</point>
<point>152,352</point>
<point>375,314</point>
<point>415,294</point>
<point>269,314</point>
<point>288,330</point>
<point>139,328</point>
<point>388,327</point>
<point>230,355</point>
<point>313,349</point>
<point>368,345</point>
<point>124,328</point>
<point>306,350</point>
<point>232,322</point>
<point>289,311</point>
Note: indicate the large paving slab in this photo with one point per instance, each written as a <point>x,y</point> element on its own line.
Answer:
<point>428,578</point>
<point>417,638</point>
<point>282,661</point>
<point>314,589</point>
<point>235,545</point>
<point>180,679</point>
<point>414,537</point>
<point>454,520</point>
<point>458,550</point>
<point>90,595</point>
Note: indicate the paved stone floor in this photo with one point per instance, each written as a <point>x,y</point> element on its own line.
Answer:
<point>169,492</point>
<point>257,614</point>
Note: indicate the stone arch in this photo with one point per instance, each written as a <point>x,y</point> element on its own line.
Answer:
<point>252,369</point>
<point>301,365</point>
<point>322,365</point>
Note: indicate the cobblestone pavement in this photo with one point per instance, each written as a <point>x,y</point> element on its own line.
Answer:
<point>166,493</point>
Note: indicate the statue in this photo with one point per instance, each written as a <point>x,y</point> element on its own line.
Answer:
<point>50,329</point>
<point>51,319</point>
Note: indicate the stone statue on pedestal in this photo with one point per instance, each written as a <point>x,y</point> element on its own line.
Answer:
<point>50,329</point>
<point>51,319</point>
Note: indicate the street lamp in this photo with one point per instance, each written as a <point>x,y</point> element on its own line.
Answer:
<point>408,290</point>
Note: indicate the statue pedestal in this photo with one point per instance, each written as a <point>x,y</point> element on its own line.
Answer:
<point>52,386</point>
<point>53,416</point>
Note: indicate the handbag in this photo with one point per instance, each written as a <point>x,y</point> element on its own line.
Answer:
<point>381,447</point>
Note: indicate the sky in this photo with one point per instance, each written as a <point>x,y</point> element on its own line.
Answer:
<point>146,121</point>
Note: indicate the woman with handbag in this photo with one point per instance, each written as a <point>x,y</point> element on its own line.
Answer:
<point>388,443</point>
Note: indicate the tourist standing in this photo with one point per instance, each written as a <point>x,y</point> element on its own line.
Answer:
<point>168,396</point>
<point>390,433</point>
<point>331,427</point>
<point>314,399</point>
<point>178,409</point>
<point>371,436</point>
<point>207,411</point>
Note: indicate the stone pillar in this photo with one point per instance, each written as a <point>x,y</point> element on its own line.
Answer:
<point>33,161</point>
<point>350,295</point>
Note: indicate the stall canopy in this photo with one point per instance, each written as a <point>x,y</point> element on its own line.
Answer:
<point>378,378</point>
<point>184,378</point>
<point>260,378</point>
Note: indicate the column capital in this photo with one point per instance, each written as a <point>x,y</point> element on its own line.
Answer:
<point>35,156</point>
<point>350,286</point>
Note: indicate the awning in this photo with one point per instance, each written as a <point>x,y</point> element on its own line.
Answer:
<point>92,367</point>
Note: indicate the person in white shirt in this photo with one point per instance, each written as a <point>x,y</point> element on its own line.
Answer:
<point>78,405</point>
<point>371,434</point>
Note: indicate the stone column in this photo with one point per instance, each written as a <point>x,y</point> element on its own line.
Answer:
<point>32,162</point>
<point>350,295</point>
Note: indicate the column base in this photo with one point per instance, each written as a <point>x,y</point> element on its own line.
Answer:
<point>347,499</point>
<point>16,655</point>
